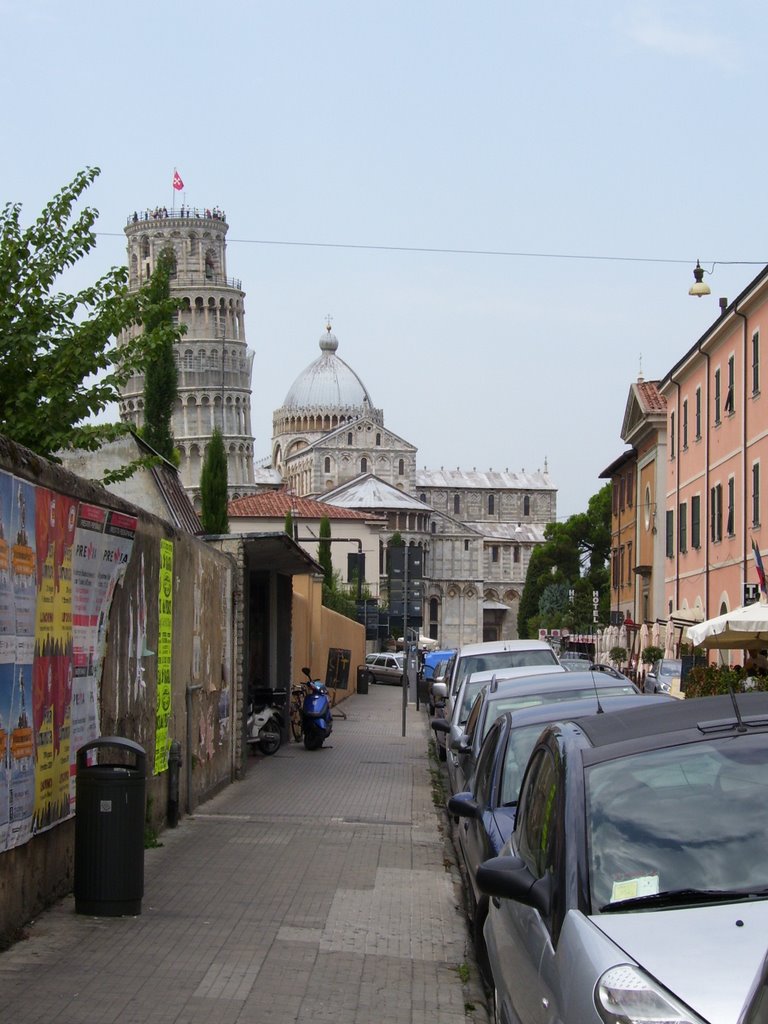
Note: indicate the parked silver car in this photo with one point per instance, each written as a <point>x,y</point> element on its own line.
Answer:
<point>664,676</point>
<point>634,887</point>
<point>385,668</point>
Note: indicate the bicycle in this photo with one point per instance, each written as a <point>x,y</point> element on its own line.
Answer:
<point>295,709</point>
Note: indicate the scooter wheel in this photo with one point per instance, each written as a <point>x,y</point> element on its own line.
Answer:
<point>313,740</point>
<point>270,739</point>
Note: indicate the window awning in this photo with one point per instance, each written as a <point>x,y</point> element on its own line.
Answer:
<point>494,606</point>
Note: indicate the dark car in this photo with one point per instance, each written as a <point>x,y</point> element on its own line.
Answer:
<point>635,883</point>
<point>499,697</point>
<point>488,810</point>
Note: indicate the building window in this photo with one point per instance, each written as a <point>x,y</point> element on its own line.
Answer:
<point>434,526</point>
<point>672,451</point>
<point>621,564</point>
<point>615,568</point>
<point>615,497</point>
<point>755,362</point>
<point>378,440</point>
<point>423,497</point>
<point>327,464</point>
<point>363,465</point>
<point>456,504</point>
<point>629,562</point>
<point>698,415</point>
<point>717,396</point>
<point>491,505</point>
<point>729,399</point>
<point>716,512</point>
<point>466,545</point>
<point>494,552</point>
<point>349,439</point>
<point>630,486</point>
<point>696,522</point>
<point>682,526</point>
<point>526,506</point>
<point>516,553</point>
<point>401,467</point>
<point>670,533</point>
<point>731,523</point>
<point>685,425</point>
<point>622,491</point>
<point>756,494</point>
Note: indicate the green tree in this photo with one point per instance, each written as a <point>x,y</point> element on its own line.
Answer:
<point>213,487</point>
<point>324,552</point>
<point>160,376</point>
<point>574,553</point>
<point>62,362</point>
<point>288,527</point>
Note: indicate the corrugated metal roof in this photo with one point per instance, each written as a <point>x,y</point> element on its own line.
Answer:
<point>524,533</point>
<point>180,509</point>
<point>274,504</point>
<point>490,479</point>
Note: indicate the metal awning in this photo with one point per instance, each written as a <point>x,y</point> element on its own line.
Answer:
<point>275,552</point>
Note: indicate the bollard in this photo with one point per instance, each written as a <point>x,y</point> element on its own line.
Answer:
<point>174,772</point>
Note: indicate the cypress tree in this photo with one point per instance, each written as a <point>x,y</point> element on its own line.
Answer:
<point>324,552</point>
<point>160,375</point>
<point>213,487</point>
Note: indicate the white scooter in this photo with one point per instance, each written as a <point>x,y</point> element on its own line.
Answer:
<point>264,727</point>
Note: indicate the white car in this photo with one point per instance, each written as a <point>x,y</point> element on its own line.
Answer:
<point>487,657</point>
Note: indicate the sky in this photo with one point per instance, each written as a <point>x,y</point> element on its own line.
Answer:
<point>500,204</point>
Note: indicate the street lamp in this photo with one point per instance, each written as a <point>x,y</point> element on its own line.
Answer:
<point>699,288</point>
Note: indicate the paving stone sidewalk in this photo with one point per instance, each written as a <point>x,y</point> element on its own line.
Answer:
<point>322,887</point>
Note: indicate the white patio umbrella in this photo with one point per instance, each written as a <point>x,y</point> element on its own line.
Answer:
<point>744,628</point>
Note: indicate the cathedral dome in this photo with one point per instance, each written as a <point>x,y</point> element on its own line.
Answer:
<point>328,383</point>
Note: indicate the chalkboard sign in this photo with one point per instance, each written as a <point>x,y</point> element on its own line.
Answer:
<point>337,674</point>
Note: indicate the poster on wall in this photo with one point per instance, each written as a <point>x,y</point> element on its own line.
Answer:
<point>60,562</point>
<point>164,641</point>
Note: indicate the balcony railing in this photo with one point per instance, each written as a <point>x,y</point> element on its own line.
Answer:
<point>183,213</point>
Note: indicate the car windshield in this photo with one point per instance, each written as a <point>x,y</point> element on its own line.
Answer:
<point>496,708</point>
<point>691,817</point>
<point>670,668</point>
<point>492,662</point>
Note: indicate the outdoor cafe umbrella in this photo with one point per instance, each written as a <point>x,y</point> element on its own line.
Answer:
<point>744,628</point>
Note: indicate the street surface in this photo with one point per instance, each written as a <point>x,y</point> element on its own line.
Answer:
<point>323,887</point>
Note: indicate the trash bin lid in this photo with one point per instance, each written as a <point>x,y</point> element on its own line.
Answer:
<point>118,743</point>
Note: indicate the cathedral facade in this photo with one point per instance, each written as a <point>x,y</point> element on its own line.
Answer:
<point>475,530</point>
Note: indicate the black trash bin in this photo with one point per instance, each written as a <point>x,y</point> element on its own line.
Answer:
<point>362,679</point>
<point>109,829</point>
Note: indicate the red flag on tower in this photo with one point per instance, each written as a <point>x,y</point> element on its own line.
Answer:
<point>178,184</point>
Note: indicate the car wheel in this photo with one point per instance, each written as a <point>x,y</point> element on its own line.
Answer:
<point>371,678</point>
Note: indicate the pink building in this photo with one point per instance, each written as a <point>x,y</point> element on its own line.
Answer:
<point>717,448</point>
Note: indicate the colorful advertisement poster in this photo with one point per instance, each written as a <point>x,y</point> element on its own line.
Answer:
<point>164,641</point>
<point>59,565</point>
<point>16,685</point>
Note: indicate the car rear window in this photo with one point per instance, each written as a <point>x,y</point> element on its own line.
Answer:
<point>491,662</point>
<point>496,708</point>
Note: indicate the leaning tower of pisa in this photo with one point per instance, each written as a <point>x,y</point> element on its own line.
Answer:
<point>212,358</point>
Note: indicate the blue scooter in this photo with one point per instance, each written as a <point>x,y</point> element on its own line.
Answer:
<point>316,717</point>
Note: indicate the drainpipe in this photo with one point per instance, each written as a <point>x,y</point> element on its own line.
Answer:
<point>676,514</point>
<point>743,448</point>
<point>707,510</point>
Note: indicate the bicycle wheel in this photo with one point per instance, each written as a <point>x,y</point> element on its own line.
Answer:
<point>296,727</point>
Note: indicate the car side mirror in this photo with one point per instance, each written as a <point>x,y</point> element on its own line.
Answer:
<point>461,744</point>
<point>439,690</point>
<point>463,805</point>
<point>509,878</point>
<point>440,724</point>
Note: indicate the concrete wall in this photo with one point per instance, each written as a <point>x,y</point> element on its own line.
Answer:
<point>203,704</point>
